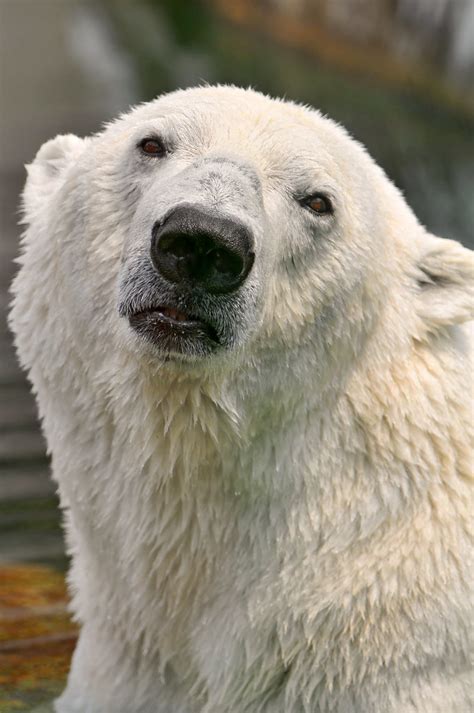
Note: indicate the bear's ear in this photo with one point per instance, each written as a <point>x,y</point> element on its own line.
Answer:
<point>55,155</point>
<point>445,278</point>
<point>47,168</point>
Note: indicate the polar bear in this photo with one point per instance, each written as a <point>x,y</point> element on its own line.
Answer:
<point>252,373</point>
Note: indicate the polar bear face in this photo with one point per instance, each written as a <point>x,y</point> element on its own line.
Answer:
<point>231,207</point>
<point>216,223</point>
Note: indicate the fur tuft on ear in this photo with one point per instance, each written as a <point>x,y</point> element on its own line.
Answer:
<point>47,168</point>
<point>445,278</point>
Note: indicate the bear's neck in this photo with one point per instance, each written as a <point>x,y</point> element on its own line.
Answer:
<point>222,441</point>
<point>205,480</point>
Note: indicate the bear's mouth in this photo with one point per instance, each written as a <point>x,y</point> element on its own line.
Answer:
<point>174,330</point>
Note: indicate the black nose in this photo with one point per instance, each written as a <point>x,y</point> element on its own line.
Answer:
<point>195,248</point>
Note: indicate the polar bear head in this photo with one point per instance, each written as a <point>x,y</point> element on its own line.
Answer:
<point>216,226</point>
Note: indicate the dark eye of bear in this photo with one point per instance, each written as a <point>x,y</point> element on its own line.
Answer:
<point>319,204</point>
<point>152,147</point>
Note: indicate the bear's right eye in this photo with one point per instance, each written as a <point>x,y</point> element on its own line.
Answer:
<point>319,204</point>
<point>152,147</point>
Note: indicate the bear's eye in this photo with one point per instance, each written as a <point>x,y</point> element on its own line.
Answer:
<point>152,147</point>
<point>319,204</point>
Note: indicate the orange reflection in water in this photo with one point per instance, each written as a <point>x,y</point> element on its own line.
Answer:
<point>37,636</point>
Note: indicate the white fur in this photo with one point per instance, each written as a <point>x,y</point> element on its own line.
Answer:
<point>284,527</point>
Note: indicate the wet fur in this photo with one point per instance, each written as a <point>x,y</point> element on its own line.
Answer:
<point>282,527</point>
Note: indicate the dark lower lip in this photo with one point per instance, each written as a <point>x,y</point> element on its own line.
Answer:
<point>183,336</point>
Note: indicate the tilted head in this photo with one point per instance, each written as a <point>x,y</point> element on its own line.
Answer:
<point>216,225</point>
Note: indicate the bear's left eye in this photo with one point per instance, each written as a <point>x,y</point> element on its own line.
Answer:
<point>152,147</point>
<point>318,203</point>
